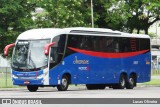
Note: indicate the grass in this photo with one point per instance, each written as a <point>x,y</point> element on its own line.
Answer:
<point>153,82</point>
<point>3,83</point>
<point>156,72</point>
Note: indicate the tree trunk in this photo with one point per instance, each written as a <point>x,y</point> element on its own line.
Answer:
<point>131,30</point>
<point>146,30</point>
<point>138,31</point>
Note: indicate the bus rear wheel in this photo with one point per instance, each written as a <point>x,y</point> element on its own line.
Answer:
<point>131,82</point>
<point>32,88</point>
<point>64,84</point>
<point>121,84</point>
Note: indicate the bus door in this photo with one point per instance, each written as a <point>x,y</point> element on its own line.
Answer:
<point>56,58</point>
<point>57,50</point>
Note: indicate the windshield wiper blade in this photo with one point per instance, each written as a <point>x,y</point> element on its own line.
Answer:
<point>30,59</point>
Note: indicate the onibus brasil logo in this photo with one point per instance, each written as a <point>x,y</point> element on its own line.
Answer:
<point>21,101</point>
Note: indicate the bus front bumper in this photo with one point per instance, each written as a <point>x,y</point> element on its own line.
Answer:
<point>27,82</point>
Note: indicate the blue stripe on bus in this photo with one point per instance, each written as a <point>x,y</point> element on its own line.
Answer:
<point>85,69</point>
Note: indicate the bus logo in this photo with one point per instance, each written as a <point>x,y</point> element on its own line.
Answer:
<point>84,68</point>
<point>76,61</point>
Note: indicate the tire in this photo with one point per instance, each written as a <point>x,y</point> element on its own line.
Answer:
<point>32,88</point>
<point>64,84</point>
<point>131,82</point>
<point>121,84</point>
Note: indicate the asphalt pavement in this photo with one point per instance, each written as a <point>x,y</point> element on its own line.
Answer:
<point>80,91</point>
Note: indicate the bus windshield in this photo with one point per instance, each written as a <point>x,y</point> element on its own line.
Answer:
<point>29,55</point>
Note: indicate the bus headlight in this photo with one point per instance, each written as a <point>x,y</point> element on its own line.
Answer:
<point>40,76</point>
<point>15,77</point>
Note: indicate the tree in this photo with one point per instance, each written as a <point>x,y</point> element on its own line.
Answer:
<point>144,14</point>
<point>110,14</point>
<point>15,18</point>
<point>64,13</point>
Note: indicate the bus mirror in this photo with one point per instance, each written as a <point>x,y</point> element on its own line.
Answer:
<point>47,47</point>
<point>7,48</point>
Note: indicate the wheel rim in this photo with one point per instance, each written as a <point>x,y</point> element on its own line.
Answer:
<point>122,82</point>
<point>64,82</point>
<point>131,80</point>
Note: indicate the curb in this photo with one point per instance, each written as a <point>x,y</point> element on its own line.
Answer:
<point>12,89</point>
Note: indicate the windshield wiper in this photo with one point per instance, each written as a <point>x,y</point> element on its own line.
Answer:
<point>30,59</point>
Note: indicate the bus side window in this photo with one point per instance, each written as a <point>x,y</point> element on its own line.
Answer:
<point>108,44</point>
<point>125,45</point>
<point>57,51</point>
<point>54,55</point>
<point>116,45</point>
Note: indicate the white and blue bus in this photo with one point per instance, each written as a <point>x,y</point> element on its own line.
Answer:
<point>92,56</point>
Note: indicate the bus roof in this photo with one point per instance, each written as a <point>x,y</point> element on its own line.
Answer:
<point>45,33</point>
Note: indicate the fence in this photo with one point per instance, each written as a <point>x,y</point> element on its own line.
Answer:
<point>155,68</point>
<point>155,71</point>
<point>5,77</point>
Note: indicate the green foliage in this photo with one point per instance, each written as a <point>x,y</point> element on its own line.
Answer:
<point>3,82</point>
<point>118,15</point>
<point>125,15</point>
<point>152,35</point>
<point>153,82</point>
<point>15,18</point>
<point>110,14</point>
<point>63,13</point>
<point>144,14</point>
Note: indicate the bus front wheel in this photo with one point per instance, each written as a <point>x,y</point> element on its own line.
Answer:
<point>64,84</point>
<point>32,88</point>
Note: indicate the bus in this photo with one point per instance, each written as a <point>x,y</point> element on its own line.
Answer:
<point>95,57</point>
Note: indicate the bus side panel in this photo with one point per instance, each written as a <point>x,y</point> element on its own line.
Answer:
<point>144,65</point>
<point>79,74</point>
<point>85,69</point>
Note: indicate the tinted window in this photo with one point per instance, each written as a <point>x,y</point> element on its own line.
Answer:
<point>57,50</point>
<point>144,44</point>
<point>106,44</point>
<point>124,44</point>
<point>93,43</point>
